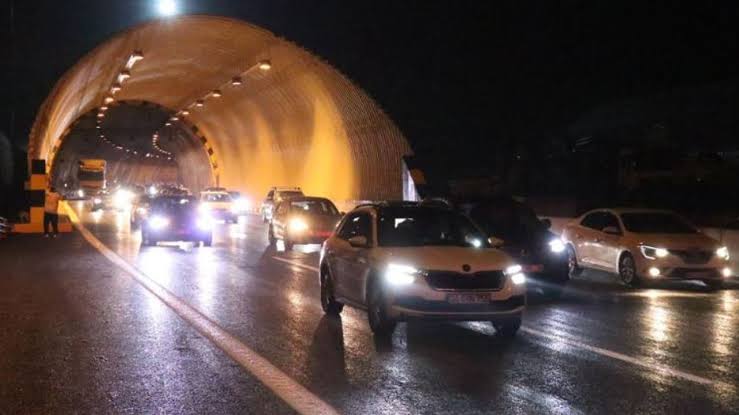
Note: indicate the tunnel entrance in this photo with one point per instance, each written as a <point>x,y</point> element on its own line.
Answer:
<point>256,111</point>
<point>140,144</point>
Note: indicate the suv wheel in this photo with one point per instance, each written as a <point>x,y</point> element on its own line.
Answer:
<point>379,322</point>
<point>572,265</point>
<point>328,301</point>
<point>508,327</point>
<point>627,270</point>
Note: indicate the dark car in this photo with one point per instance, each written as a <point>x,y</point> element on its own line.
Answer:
<point>526,238</point>
<point>174,219</point>
<point>303,220</point>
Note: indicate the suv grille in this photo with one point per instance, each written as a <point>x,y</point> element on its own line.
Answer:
<point>692,256</point>
<point>450,280</point>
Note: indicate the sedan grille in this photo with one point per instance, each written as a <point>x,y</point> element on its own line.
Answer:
<point>450,280</point>
<point>693,257</point>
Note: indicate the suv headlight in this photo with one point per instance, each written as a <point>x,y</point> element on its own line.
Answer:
<point>158,222</point>
<point>398,274</point>
<point>723,253</point>
<point>556,246</point>
<point>516,274</point>
<point>651,252</point>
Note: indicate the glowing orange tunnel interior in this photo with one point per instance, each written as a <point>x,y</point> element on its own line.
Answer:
<point>295,122</point>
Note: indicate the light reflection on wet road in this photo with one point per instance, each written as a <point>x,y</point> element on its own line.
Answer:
<point>670,339</point>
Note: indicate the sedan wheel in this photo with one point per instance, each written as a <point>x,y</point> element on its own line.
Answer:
<point>627,270</point>
<point>572,265</point>
<point>508,327</point>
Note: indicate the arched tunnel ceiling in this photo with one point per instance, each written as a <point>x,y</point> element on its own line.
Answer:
<point>301,123</point>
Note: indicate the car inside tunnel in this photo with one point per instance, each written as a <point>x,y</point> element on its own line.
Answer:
<point>219,102</point>
<point>140,145</point>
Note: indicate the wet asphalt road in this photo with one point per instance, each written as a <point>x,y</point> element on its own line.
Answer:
<point>79,335</point>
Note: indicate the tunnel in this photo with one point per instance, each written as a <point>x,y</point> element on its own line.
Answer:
<point>212,101</point>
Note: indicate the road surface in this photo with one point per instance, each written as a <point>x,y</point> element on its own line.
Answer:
<point>238,328</point>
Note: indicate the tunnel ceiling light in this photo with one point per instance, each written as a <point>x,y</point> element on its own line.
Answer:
<point>98,127</point>
<point>236,81</point>
<point>167,124</point>
<point>101,114</point>
<point>115,88</point>
<point>265,65</point>
<point>174,119</point>
<point>167,7</point>
<point>104,108</point>
<point>136,56</point>
<point>216,93</point>
<point>185,112</point>
<point>123,76</point>
<point>109,99</point>
<point>199,103</point>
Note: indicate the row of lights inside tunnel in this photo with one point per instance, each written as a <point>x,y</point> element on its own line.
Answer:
<point>262,65</point>
<point>109,100</point>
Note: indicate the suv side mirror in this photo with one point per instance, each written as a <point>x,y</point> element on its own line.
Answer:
<point>611,230</point>
<point>495,242</point>
<point>358,241</point>
<point>547,223</point>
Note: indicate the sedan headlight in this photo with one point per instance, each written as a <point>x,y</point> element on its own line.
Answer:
<point>298,225</point>
<point>204,222</point>
<point>81,193</point>
<point>723,253</point>
<point>158,222</point>
<point>241,205</point>
<point>516,274</point>
<point>651,252</point>
<point>398,274</point>
<point>556,246</point>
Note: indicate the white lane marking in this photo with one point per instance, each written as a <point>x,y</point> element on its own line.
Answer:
<point>624,358</point>
<point>290,391</point>
<point>297,264</point>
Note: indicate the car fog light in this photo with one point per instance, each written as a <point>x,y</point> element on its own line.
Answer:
<point>654,272</point>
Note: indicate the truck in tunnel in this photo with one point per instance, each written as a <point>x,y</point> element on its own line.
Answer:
<point>91,175</point>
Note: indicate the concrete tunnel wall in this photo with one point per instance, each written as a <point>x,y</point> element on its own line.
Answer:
<point>302,123</point>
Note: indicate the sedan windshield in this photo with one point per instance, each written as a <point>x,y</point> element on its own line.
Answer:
<point>656,222</point>
<point>404,227</point>
<point>314,207</point>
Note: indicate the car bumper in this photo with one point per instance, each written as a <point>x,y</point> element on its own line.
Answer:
<point>222,214</point>
<point>420,301</point>
<point>175,236</point>
<point>672,269</point>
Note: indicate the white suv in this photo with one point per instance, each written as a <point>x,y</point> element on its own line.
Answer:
<point>403,261</point>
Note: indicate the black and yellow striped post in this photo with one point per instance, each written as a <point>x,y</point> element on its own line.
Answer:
<point>36,187</point>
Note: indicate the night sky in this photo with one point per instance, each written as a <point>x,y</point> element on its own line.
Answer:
<point>448,72</point>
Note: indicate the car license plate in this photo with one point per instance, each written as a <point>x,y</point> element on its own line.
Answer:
<point>533,268</point>
<point>468,298</point>
<point>699,274</point>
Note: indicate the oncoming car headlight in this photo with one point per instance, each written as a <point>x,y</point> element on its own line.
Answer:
<point>158,222</point>
<point>723,253</point>
<point>298,225</point>
<point>398,274</point>
<point>204,222</point>
<point>556,246</point>
<point>651,252</point>
<point>516,274</point>
<point>97,201</point>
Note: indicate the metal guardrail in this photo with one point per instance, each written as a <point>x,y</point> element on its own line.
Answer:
<point>4,228</point>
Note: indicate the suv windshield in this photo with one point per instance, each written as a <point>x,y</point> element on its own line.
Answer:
<point>289,195</point>
<point>174,205</point>
<point>314,207</point>
<point>656,222</point>
<point>403,227</point>
<point>217,197</point>
<point>507,220</point>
